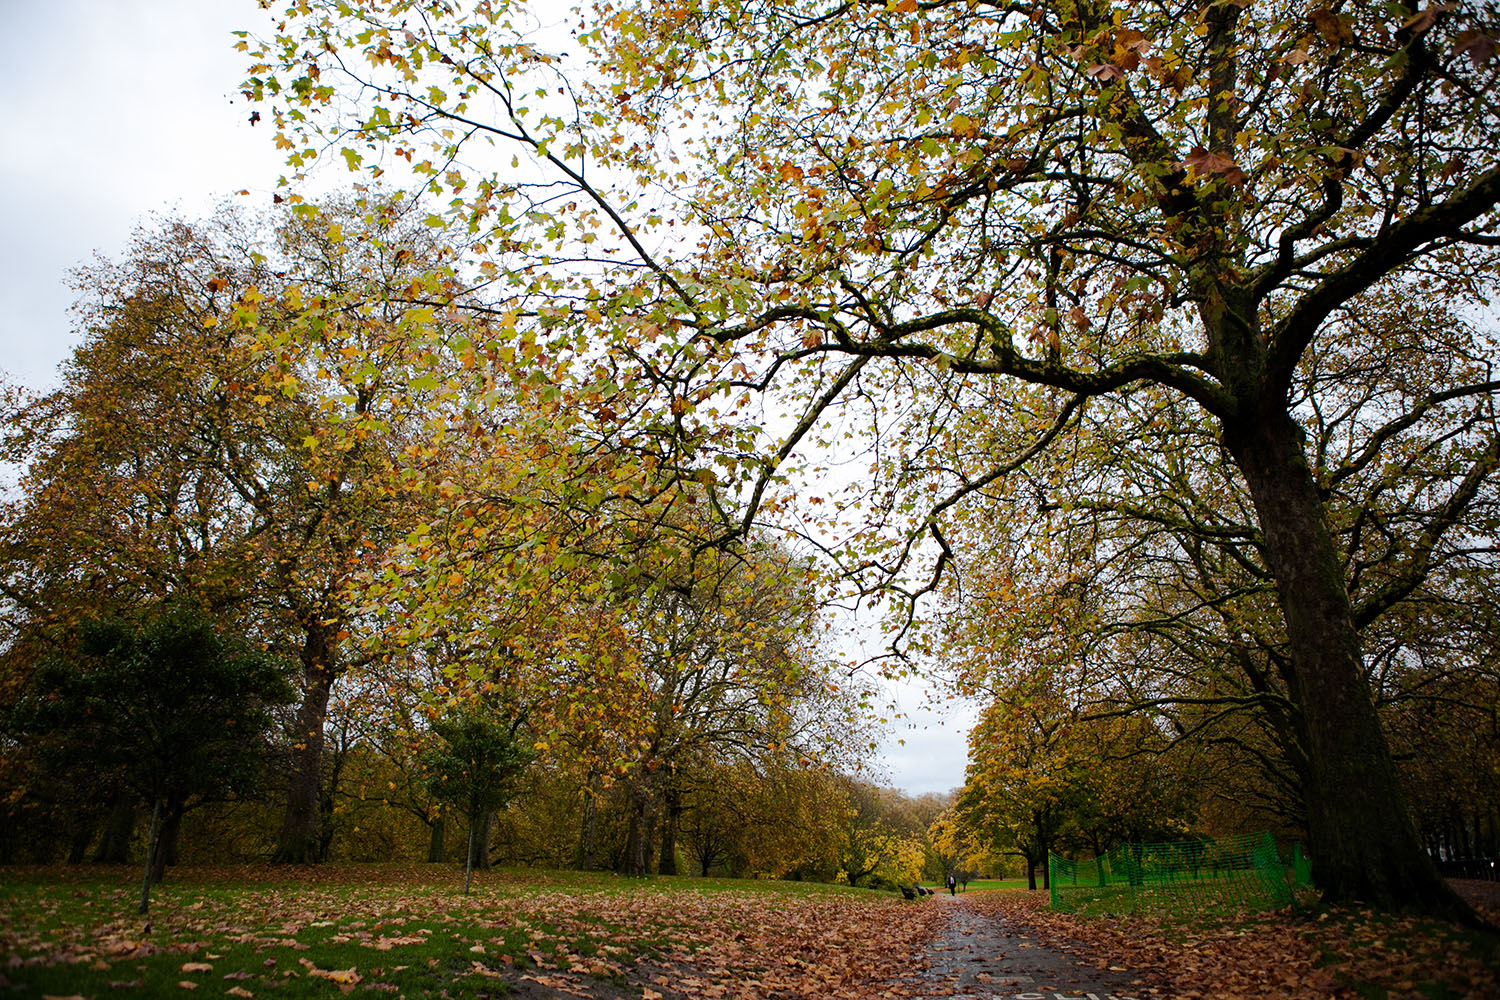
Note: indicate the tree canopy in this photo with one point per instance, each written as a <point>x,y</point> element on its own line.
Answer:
<point>939,234</point>
<point>178,708</point>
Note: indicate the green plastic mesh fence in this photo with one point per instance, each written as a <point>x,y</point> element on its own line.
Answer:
<point>1190,877</point>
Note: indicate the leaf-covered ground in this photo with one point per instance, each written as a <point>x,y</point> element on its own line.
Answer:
<point>410,931</point>
<point>1286,954</point>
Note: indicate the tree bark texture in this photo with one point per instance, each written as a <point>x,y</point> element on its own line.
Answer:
<point>151,845</point>
<point>672,814</point>
<point>167,840</point>
<point>483,827</point>
<point>83,835</point>
<point>587,836</point>
<point>299,841</point>
<point>119,828</point>
<point>634,862</point>
<point>1362,840</point>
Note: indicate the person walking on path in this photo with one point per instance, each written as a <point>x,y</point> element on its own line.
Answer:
<point>952,885</point>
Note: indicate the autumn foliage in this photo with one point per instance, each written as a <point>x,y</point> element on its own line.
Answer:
<point>1133,362</point>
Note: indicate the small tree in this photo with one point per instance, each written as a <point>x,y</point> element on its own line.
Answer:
<point>177,706</point>
<point>476,767</point>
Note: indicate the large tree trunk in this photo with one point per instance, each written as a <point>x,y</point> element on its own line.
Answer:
<point>588,837</point>
<point>648,840</point>
<point>151,845</point>
<point>83,836</point>
<point>167,840</point>
<point>119,828</point>
<point>328,801</point>
<point>299,841</point>
<point>1363,843</point>
<point>667,864</point>
<point>588,834</point>
<point>436,853</point>
<point>634,862</point>
<point>483,829</point>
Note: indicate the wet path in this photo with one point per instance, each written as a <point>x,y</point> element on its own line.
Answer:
<point>980,957</point>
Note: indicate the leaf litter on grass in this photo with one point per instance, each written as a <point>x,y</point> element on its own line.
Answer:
<point>600,938</point>
<point>541,935</point>
<point>1291,955</point>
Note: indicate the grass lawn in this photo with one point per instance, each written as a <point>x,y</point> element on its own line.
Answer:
<point>410,931</point>
<point>986,885</point>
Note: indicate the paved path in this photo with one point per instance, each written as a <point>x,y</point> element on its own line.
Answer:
<point>979,957</point>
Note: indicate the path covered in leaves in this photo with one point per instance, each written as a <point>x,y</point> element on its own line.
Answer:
<point>981,952</point>
<point>1337,955</point>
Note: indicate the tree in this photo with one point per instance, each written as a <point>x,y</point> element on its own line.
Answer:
<point>880,839</point>
<point>1025,781</point>
<point>179,707</point>
<point>476,767</point>
<point>763,814</point>
<point>1139,539</point>
<point>905,214</point>
<point>728,663</point>
<point>1045,776</point>
<point>194,447</point>
<point>961,849</point>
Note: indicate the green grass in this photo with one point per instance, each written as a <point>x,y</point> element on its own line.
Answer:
<point>992,884</point>
<point>1243,892</point>
<point>402,930</point>
<point>984,885</point>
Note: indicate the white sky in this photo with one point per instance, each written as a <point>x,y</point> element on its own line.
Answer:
<point>117,109</point>
<point>114,109</point>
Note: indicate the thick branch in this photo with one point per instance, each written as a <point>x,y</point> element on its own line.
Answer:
<point>1385,254</point>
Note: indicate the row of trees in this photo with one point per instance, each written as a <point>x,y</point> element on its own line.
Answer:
<point>1233,259</point>
<point>172,714</point>
<point>1125,578</point>
<point>443,607</point>
<point>1148,345</point>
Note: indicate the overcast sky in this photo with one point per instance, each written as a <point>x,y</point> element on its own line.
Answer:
<point>114,109</point>
<point>118,109</point>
